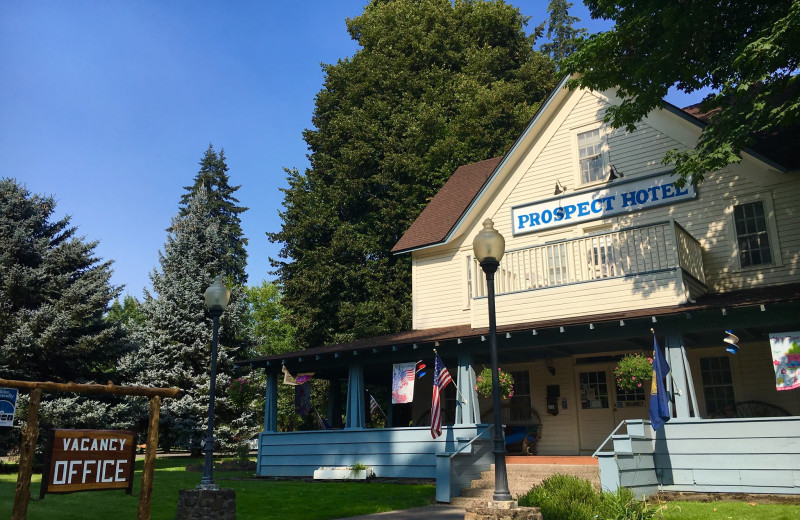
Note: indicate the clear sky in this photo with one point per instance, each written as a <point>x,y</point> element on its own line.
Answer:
<point>109,105</point>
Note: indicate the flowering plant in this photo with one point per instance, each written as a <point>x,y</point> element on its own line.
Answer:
<point>633,370</point>
<point>484,383</point>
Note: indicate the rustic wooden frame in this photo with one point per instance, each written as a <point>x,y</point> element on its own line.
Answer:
<point>31,435</point>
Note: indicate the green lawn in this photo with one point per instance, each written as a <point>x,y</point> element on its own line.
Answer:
<point>255,499</point>
<point>730,511</point>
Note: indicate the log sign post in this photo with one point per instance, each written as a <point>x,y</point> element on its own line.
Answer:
<point>82,460</point>
<point>89,460</point>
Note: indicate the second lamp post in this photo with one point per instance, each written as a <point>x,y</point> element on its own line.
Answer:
<point>217,297</point>
<point>488,247</point>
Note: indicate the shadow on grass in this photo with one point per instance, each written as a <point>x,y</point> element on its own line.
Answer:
<point>255,498</point>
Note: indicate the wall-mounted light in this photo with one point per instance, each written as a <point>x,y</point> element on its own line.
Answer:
<point>613,174</point>
<point>560,188</point>
<point>550,368</point>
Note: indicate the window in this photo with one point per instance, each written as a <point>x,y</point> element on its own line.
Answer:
<point>590,156</point>
<point>752,237</point>
<point>632,398</point>
<point>521,401</point>
<point>594,389</point>
<point>601,257</point>
<point>717,386</point>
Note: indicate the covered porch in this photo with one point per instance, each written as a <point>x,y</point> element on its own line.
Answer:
<point>407,450</point>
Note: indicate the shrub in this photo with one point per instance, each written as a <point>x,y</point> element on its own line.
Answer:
<point>565,497</point>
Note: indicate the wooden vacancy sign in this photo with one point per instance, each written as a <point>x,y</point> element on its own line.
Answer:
<point>89,460</point>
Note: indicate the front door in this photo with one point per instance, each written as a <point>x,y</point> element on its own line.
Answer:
<point>602,406</point>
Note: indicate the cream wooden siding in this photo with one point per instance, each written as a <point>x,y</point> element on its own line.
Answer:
<point>753,375</point>
<point>579,299</point>
<point>439,295</point>
<point>559,432</point>
<point>439,290</point>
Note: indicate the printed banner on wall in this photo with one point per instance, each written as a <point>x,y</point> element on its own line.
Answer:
<point>403,382</point>
<point>8,403</point>
<point>786,358</point>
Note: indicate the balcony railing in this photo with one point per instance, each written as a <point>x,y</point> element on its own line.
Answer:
<point>626,252</point>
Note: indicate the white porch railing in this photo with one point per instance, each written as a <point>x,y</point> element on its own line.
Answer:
<point>625,252</point>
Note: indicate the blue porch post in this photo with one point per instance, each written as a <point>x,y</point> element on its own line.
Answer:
<point>356,416</point>
<point>271,404</point>
<point>469,412</point>
<point>680,376</point>
<point>335,404</point>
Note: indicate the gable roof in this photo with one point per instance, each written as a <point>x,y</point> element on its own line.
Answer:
<point>449,206</point>
<point>442,213</point>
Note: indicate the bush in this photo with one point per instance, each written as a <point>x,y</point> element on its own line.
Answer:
<point>564,497</point>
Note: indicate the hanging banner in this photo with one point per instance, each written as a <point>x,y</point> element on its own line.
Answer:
<point>403,382</point>
<point>90,460</point>
<point>786,359</point>
<point>302,398</point>
<point>8,403</point>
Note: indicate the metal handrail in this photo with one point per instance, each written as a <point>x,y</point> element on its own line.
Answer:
<point>607,439</point>
<point>462,448</point>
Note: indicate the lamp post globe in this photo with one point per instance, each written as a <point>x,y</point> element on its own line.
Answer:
<point>488,247</point>
<point>217,297</point>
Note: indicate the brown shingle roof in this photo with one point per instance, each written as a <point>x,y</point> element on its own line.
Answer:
<point>441,214</point>
<point>742,298</point>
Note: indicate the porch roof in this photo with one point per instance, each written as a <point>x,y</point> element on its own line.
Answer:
<point>772,296</point>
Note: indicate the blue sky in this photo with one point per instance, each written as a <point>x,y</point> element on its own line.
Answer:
<point>109,106</point>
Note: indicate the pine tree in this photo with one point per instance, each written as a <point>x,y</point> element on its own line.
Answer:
<point>564,38</point>
<point>175,339</point>
<point>53,294</point>
<point>436,84</point>
<point>222,205</point>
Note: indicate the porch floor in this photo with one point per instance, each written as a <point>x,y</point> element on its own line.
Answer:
<point>556,459</point>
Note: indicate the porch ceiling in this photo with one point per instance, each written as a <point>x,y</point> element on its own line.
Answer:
<point>751,313</point>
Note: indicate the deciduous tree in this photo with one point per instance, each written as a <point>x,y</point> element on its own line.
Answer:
<point>747,51</point>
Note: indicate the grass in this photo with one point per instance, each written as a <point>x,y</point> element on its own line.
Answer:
<point>730,511</point>
<point>255,499</point>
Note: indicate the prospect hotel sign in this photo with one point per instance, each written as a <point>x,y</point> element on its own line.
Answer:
<point>606,201</point>
<point>89,460</point>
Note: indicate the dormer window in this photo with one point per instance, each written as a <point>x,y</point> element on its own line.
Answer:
<point>591,156</point>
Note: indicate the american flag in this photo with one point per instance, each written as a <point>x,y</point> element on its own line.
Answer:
<point>373,405</point>
<point>441,378</point>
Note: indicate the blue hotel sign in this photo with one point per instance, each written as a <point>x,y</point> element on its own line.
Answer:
<point>610,200</point>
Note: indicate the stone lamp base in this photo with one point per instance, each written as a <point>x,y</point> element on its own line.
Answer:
<point>506,510</point>
<point>206,504</point>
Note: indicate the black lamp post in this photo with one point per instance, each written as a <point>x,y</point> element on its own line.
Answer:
<point>217,296</point>
<point>488,247</point>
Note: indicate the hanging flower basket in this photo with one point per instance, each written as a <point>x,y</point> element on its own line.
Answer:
<point>633,370</point>
<point>484,383</point>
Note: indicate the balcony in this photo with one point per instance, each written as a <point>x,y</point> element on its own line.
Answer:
<point>653,265</point>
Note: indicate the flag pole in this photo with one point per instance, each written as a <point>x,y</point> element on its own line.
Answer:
<point>454,385</point>
<point>653,381</point>
<point>379,406</point>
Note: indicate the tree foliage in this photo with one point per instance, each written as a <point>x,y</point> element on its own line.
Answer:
<point>174,342</point>
<point>436,84</point>
<point>267,320</point>
<point>745,50</point>
<point>564,38</point>
<point>54,292</point>
<point>223,209</point>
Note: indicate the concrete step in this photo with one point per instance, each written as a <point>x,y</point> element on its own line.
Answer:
<point>521,478</point>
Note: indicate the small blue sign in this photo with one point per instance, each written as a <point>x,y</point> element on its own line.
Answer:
<point>8,403</point>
